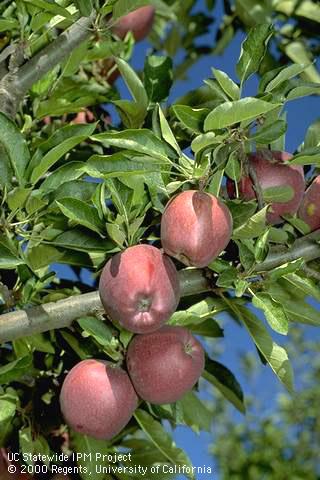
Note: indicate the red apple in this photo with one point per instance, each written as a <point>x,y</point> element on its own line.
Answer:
<point>139,22</point>
<point>97,399</point>
<point>309,210</point>
<point>139,288</point>
<point>272,174</point>
<point>165,364</point>
<point>195,228</point>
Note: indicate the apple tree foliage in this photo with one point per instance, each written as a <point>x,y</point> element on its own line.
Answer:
<point>76,194</point>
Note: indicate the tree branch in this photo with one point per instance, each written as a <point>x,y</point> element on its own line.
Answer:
<point>49,316</point>
<point>193,281</point>
<point>15,85</point>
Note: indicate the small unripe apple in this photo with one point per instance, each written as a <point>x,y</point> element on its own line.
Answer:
<point>195,228</point>
<point>139,22</point>
<point>271,174</point>
<point>139,288</point>
<point>309,210</point>
<point>97,399</point>
<point>165,364</point>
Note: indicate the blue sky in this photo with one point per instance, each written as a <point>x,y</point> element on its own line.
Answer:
<point>301,113</point>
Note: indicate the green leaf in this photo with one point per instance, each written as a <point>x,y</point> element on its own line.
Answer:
<point>304,90</point>
<point>81,213</point>
<point>53,155</point>
<point>275,355</point>
<point>8,24</point>
<point>253,50</point>
<point>100,331</point>
<point>191,118</point>
<point>15,147</point>
<point>14,370</point>
<point>33,444</point>
<point>224,380</point>
<point>51,7</point>
<point>88,459</point>
<point>233,167</point>
<point>312,138</point>
<point>74,343</point>
<point>273,311</point>
<point>215,183</point>
<point>285,74</point>
<point>292,300</point>
<point>307,9</point>
<point>142,141</point>
<point>132,113</point>
<point>195,414</point>
<point>85,7</point>
<point>306,285</point>
<point>123,7</point>
<point>133,83</point>
<point>17,197</point>
<point>162,440</point>
<point>116,234</point>
<point>261,247</point>
<point>307,157</point>
<point>209,328</point>
<point>253,227</point>
<point>227,84</point>
<point>281,194</point>
<point>198,313</point>
<point>8,259</point>
<point>286,268</point>
<point>230,113</point>
<point>41,256</point>
<point>269,133</point>
<point>8,405</point>
<point>252,12</point>
<point>298,53</point>
<point>167,133</point>
<point>80,189</point>
<point>82,241</point>
<point>157,77</point>
<point>241,211</point>
<point>120,165</point>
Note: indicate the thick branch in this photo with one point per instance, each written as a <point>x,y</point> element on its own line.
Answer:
<point>14,86</point>
<point>61,314</point>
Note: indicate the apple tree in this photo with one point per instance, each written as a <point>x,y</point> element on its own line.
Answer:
<point>185,209</point>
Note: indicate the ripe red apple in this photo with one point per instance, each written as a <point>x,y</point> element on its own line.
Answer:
<point>97,399</point>
<point>273,174</point>
<point>309,210</point>
<point>165,364</point>
<point>139,22</point>
<point>139,288</point>
<point>195,228</point>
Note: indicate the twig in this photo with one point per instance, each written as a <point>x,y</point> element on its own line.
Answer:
<point>256,185</point>
<point>250,170</point>
<point>14,85</point>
